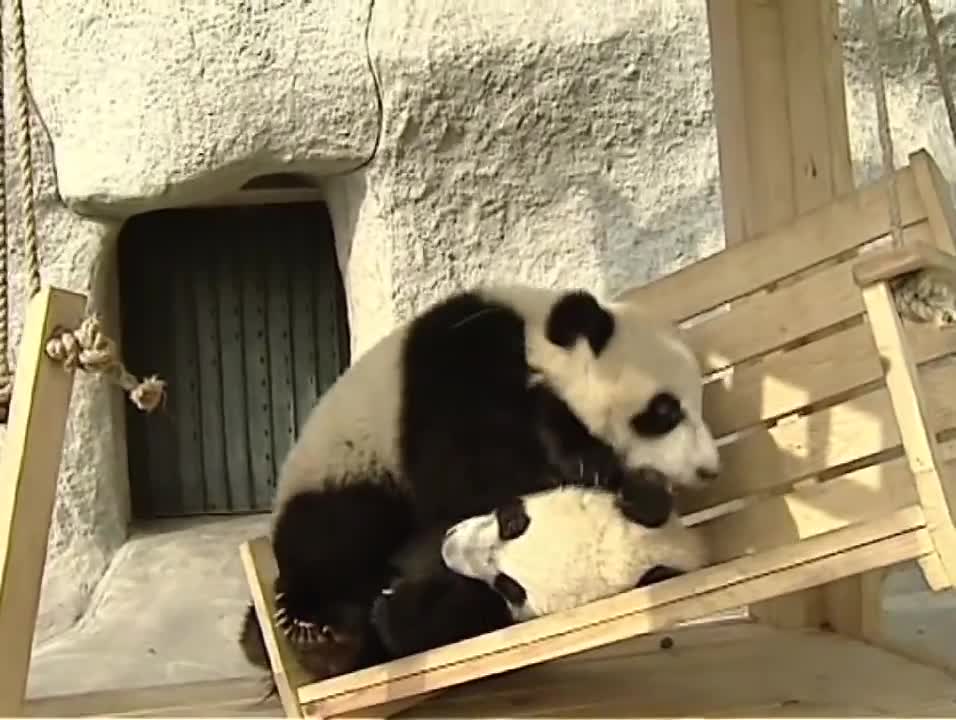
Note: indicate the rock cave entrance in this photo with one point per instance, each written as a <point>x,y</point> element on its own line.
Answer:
<point>241,308</point>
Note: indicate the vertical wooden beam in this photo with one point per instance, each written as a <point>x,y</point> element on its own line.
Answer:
<point>29,467</point>
<point>784,149</point>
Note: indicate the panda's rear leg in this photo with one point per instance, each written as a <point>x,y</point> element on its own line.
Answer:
<point>426,613</point>
<point>332,548</point>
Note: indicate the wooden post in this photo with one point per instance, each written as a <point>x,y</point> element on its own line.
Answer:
<point>784,150</point>
<point>29,468</point>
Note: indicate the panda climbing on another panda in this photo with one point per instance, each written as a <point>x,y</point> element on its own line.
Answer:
<point>488,394</point>
<point>560,549</point>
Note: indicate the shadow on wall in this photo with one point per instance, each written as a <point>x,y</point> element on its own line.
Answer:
<point>680,232</point>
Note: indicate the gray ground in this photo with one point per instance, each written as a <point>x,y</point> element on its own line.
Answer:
<point>169,609</point>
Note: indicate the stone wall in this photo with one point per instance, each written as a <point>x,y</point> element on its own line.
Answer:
<point>455,141</point>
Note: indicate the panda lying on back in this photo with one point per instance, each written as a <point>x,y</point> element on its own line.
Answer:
<point>488,394</point>
<point>560,549</point>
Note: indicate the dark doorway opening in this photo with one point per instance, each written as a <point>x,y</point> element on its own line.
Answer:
<point>241,309</point>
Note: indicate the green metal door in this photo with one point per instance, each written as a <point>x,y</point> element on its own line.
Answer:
<point>241,311</point>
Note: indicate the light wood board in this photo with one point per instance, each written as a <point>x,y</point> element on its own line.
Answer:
<point>705,670</point>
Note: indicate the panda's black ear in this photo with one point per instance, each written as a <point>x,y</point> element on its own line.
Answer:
<point>578,314</point>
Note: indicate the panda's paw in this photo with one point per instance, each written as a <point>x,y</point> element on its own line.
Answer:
<point>395,616</point>
<point>302,630</point>
<point>388,631</point>
<point>328,640</point>
<point>646,498</point>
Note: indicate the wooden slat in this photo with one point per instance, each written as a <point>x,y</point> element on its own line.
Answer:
<point>860,496</point>
<point>766,458</point>
<point>937,492</point>
<point>810,374</point>
<point>850,221</point>
<point>935,192</point>
<point>800,674</point>
<point>765,322</point>
<point>888,541</point>
<point>29,466</point>
<point>938,382</point>
<point>801,447</point>
<point>818,176</point>
<point>258,564</point>
<point>891,263</point>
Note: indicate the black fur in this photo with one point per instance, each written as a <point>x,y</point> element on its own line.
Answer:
<point>512,519</point>
<point>445,608</point>
<point>332,548</point>
<point>474,434</point>
<point>578,314</point>
<point>510,589</point>
<point>645,498</point>
<point>657,574</point>
<point>662,414</point>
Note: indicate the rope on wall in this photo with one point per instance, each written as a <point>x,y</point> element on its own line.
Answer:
<point>86,347</point>
<point>6,379</point>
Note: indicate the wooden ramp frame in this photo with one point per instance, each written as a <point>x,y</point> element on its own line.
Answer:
<point>836,428</point>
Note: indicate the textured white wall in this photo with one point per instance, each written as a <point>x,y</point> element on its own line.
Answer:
<point>555,141</point>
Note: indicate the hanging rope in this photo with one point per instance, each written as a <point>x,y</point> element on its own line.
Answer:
<point>883,122</point>
<point>25,151</point>
<point>936,52</point>
<point>6,379</point>
<point>85,348</point>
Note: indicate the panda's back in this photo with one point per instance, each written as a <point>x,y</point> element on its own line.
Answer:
<point>353,429</point>
<point>440,407</point>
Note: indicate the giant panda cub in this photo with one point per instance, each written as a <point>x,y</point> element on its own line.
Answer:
<point>488,394</point>
<point>559,549</point>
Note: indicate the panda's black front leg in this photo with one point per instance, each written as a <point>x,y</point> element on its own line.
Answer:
<point>332,546</point>
<point>417,615</point>
<point>645,497</point>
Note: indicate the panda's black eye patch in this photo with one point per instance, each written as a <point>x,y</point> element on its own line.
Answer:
<point>662,414</point>
<point>512,519</point>
<point>510,589</point>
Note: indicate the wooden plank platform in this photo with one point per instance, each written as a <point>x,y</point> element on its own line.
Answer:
<point>732,668</point>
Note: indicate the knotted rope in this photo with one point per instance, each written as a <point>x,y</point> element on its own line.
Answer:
<point>86,348</point>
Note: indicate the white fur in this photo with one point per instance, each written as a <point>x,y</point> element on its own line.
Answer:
<point>645,355</point>
<point>577,548</point>
<point>353,427</point>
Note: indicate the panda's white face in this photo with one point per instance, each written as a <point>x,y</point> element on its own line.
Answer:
<point>562,548</point>
<point>641,393</point>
